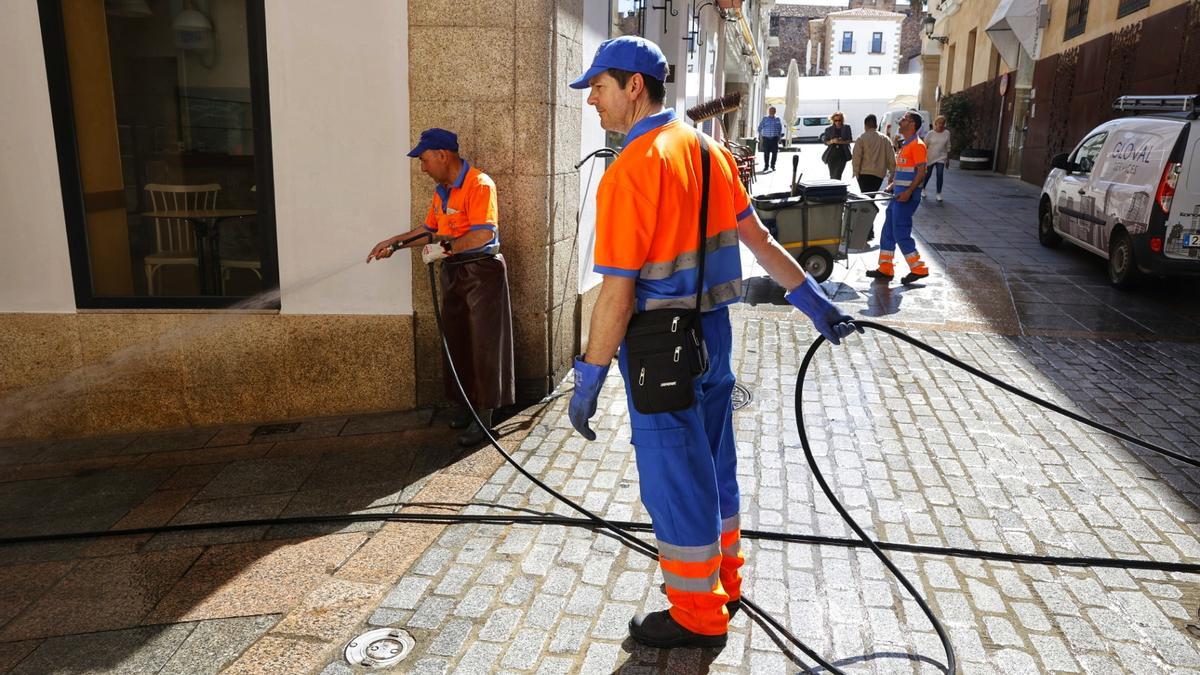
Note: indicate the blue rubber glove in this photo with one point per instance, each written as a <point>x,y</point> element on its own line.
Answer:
<point>588,380</point>
<point>829,320</point>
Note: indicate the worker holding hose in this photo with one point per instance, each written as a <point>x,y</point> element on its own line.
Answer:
<point>461,222</point>
<point>647,236</point>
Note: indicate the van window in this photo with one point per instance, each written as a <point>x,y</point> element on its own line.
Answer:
<point>1085,155</point>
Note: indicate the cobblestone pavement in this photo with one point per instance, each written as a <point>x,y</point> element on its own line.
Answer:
<point>918,451</point>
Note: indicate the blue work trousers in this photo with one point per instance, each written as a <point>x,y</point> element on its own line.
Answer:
<point>686,460</point>
<point>898,224</point>
<point>687,467</point>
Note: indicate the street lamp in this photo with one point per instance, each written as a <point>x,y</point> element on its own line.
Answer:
<point>927,23</point>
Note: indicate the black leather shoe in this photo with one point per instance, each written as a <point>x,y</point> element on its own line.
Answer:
<point>460,418</point>
<point>913,276</point>
<point>658,629</point>
<point>876,274</point>
<point>474,434</point>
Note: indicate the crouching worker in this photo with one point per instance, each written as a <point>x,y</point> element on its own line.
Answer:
<point>648,208</point>
<point>475,305</point>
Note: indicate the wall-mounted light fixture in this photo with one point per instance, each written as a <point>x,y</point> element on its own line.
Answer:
<point>193,30</point>
<point>928,23</point>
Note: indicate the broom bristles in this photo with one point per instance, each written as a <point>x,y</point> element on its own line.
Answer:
<point>715,107</point>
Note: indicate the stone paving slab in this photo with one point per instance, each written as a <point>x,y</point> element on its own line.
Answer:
<point>919,454</point>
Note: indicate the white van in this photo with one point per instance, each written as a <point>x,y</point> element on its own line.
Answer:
<point>892,118</point>
<point>1130,191</point>
<point>809,128</point>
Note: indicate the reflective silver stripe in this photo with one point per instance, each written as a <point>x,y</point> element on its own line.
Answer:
<point>716,295</point>
<point>733,522</point>
<point>732,550</point>
<point>689,260</point>
<point>690,584</point>
<point>688,553</point>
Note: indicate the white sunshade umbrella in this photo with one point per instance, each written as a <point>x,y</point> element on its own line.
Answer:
<point>791,100</point>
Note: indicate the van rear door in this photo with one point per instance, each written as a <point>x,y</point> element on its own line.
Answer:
<point>1183,225</point>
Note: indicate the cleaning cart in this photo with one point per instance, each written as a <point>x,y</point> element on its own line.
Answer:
<point>819,223</point>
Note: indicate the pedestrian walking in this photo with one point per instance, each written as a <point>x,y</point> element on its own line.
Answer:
<point>462,218</point>
<point>937,142</point>
<point>770,130</point>
<point>873,158</point>
<point>648,214</point>
<point>906,191</point>
<point>837,138</point>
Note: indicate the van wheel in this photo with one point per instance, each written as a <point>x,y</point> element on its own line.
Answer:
<point>817,263</point>
<point>1122,267</point>
<point>1046,234</point>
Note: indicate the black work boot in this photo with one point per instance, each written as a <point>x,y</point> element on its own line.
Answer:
<point>460,417</point>
<point>658,629</point>
<point>876,274</point>
<point>913,276</point>
<point>474,434</point>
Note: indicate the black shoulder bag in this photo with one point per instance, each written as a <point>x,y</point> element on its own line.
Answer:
<point>665,347</point>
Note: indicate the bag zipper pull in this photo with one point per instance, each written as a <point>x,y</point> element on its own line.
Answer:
<point>677,352</point>
<point>642,377</point>
<point>674,324</point>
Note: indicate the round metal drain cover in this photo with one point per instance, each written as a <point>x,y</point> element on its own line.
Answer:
<point>741,397</point>
<point>379,648</point>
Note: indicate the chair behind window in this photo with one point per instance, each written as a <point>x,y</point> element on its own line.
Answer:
<point>175,238</point>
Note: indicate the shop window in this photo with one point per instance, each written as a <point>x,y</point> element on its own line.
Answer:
<point>874,70</point>
<point>843,70</point>
<point>160,117</point>
<point>1076,18</point>
<point>876,43</point>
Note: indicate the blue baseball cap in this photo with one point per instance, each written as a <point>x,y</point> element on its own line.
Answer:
<point>435,139</point>
<point>629,52</point>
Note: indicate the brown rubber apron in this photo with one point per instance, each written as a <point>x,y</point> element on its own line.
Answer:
<point>478,321</point>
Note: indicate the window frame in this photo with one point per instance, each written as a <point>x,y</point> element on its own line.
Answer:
<point>878,70</point>
<point>1074,158</point>
<point>1078,8</point>
<point>1127,7</point>
<point>54,47</point>
<point>847,37</point>
<point>878,34</point>
<point>848,69</point>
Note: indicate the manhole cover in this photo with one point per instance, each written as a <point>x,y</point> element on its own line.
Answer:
<point>741,397</point>
<point>379,648</point>
<point>272,429</point>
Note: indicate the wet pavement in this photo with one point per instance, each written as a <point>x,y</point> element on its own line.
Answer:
<point>919,452</point>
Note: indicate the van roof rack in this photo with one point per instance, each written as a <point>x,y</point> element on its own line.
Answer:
<point>1185,103</point>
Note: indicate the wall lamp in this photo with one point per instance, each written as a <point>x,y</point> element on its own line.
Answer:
<point>927,23</point>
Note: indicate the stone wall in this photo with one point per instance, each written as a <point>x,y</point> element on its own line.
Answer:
<point>791,27</point>
<point>496,72</point>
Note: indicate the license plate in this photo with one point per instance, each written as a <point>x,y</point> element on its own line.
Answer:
<point>1191,240</point>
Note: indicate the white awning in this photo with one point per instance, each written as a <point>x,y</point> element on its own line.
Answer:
<point>1014,25</point>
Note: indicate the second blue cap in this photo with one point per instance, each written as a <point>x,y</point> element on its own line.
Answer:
<point>630,52</point>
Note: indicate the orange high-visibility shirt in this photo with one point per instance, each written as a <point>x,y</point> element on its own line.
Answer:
<point>911,156</point>
<point>648,217</point>
<point>468,204</point>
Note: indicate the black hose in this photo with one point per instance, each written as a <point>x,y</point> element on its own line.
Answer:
<point>622,529</point>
